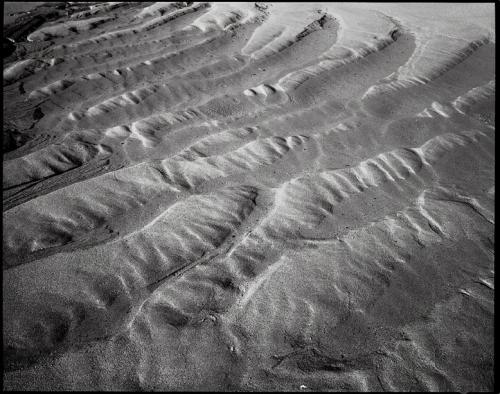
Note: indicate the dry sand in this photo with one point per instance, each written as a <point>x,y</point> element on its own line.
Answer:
<point>249,196</point>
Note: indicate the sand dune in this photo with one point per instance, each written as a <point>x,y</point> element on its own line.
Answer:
<point>249,196</point>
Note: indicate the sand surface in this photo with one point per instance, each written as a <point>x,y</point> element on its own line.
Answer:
<point>245,196</point>
<point>12,9</point>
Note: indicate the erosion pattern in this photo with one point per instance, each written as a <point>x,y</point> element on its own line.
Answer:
<point>249,196</point>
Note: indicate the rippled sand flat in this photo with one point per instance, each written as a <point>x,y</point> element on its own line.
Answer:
<point>249,196</point>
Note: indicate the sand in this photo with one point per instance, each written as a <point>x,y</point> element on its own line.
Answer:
<point>249,196</point>
<point>12,9</point>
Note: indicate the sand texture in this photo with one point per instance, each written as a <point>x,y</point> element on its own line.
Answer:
<point>249,196</point>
